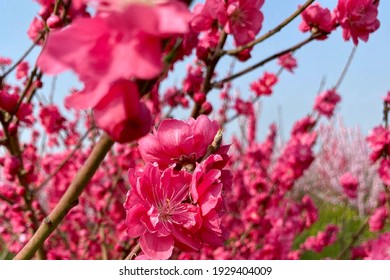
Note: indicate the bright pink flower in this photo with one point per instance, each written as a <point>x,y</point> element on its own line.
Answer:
<point>316,19</point>
<point>384,171</point>
<point>11,167</point>
<point>159,211</point>
<point>244,107</point>
<point>321,240</point>
<point>244,20</point>
<point>378,218</point>
<point>379,249</point>
<point>303,125</point>
<point>5,61</point>
<point>358,18</point>
<point>288,62</point>
<point>349,184</point>
<point>113,45</point>
<point>22,70</point>
<point>208,181</point>
<point>326,102</point>
<point>208,14</point>
<point>179,142</point>
<point>121,114</point>
<point>264,86</point>
<point>37,26</point>
<point>51,119</point>
<point>379,142</point>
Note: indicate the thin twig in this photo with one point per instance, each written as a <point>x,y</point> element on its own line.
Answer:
<point>133,252</point>
<point>346,68</point>
<point>266,60</point>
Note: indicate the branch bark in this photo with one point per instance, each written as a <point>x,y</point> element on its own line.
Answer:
<point>68,200</point>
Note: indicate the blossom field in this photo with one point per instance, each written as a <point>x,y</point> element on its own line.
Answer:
<point>125,167</point>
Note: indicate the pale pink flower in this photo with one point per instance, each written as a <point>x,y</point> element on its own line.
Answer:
<point>178,141</point>
<point>244,20</point>
<point>349,184</point>
<point>358,18</point>
<point>121,114</point>
<point>325,102</point>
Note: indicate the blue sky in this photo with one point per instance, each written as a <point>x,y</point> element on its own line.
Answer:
<point>367,81</point>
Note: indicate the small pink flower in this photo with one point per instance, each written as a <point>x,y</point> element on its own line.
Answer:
<point>51,119</point>
<point>326,102</point>
<point>379,249</point>
<point>377,220</point>
<point>288,62</point>
<point>179,142</point>
<point>379,142</point>
<point>244,20</point>
<point>121,114</point>
<point>316,19</point>
<point>264,86</point>
<point>384,171</point>
<point>358,18</point>
<point>22,70</point>
<point>349,184</point>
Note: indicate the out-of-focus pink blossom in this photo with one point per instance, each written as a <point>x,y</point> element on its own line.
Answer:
<point>325,102</point>
<point>321,240</point>
<point>379,142</point>
<point>316,19</point>
<point>384,171</point>
<point>51,119</point>
<point>113,45</point>
<point>358,18</point>
<point>377,219</point>
<point>349,184</point>
<point>121,114</point>
<point>22,70</point>
<point>288,62</point>
<point>264,86</point>
<point>208,14</point>
<point>379,249</point>
<point>178,141</point>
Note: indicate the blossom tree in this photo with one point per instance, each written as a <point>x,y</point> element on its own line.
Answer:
<point>117,177</point>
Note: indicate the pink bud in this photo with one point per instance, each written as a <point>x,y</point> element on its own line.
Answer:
<point>206,108</point>
<point>54,21</point>
<point>199,97</point>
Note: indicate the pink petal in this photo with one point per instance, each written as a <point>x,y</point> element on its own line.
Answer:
<point>156,248</point>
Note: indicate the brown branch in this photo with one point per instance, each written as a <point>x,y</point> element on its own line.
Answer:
<point>133,252</point>
<point>68,200</point>
<point>207,86</point>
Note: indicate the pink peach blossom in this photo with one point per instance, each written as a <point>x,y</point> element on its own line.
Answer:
<point>179,142</point>
<point>358,18</point>
<point>121,114</point>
